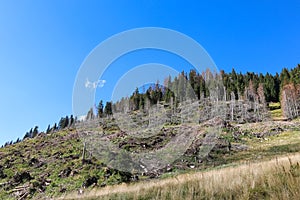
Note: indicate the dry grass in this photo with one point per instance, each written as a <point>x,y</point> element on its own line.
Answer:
<point>274,179</point>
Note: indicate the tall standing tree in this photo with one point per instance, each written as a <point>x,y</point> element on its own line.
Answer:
<point>35,131</point>
<point>295,75</point>
<point>240,84</point>
<point>136,99</point>
<point>108,109</point>
<point>62,123</point>
<point>285,77</point>
<point>72,120</point>
<point>54,128</point>
<point>67,122</point>
<point>27,135</point>
<point>277,87</point>
<point>100,109</point>
<point>48,129</point>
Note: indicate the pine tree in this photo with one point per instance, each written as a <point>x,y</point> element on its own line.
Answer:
<point>240,84</point>
<point>192,78</point>
<point>35,131</point>
<point>136,99</point>
<point>48,129</point>
<point>31,133</point>
<point>63,123</point>
<point>277,87</point>
<point>54,128</point>
<point>284,77</point>
<point>295,75</point>
<point>27,135</point>
<point>100,109</point>
<point>67,122</point>
<point>108,109</point>
<point>141,101</point>
<point>72,120</point>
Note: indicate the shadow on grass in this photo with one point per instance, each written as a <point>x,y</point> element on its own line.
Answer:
<point>287,148</point>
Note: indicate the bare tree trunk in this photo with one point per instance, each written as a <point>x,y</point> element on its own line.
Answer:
<point>232,104</point>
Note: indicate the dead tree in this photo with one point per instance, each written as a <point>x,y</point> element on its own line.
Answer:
<point>232,105</point>
<point>289,104</point>
<point>262,102</point>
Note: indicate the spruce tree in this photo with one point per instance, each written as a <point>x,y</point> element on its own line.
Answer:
<point>35,131</point>
<point>108,109</point>
<point>100,109</point>
<point>72,120</point>
<point>48,129</point>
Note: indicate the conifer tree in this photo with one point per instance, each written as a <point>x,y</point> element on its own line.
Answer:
<point>72,120</point>
<point>48,129</point>
<point>108,109</point>
<point>35,131</point>
<point>100,109</point>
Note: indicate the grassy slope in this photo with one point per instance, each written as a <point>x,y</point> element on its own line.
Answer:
<point>49,158</point>
<point>276,112</point>
<point>259,178</point>
<point>275,179</point>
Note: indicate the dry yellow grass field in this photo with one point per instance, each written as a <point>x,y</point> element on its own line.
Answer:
<point>278,178</point>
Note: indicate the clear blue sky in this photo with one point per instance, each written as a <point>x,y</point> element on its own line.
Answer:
<point>43,43</point>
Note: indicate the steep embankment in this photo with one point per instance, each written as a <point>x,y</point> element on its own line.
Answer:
<point>268,167</point>
<point>51,165</point>
<point>277,178</point>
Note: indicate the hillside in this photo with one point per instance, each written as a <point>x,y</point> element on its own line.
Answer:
<point>273,179</point>
<point>144,100</point>
<point>197,126</point>
<point>52,165</point>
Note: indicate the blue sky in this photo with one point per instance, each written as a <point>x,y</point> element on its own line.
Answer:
<point>43,43</point>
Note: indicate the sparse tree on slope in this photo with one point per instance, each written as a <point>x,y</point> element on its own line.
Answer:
<point>90,114</point>
<point>35,131</point>
<point>100,109</point>
<point>108,109</point>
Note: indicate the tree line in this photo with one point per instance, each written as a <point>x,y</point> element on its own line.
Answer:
<point>283,87</point>
<point>274,88</point>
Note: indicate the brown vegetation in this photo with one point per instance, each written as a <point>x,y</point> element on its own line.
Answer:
<point>278,178</point>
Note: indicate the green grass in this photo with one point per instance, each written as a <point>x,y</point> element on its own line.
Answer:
<point>274,106</point>
<point>275,110</point>
<point>61,150</point>
<point>57,152</point>
<point>277,113</point>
